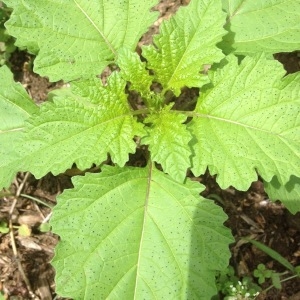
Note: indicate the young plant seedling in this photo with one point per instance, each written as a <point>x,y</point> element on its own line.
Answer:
<point>262,273</point>
<point>23,230</point>
<point>232,288</point>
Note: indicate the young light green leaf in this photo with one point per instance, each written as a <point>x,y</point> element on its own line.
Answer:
<point>4,228</point>
<point>78,38</point>
<point>185,43</point>
<point>15,108</point>
<point>82,130</point>
<point>289,193</point>
<point>168,142</point>
<point>249,120</point>
<point>269,26</point>
<point>119,239</point>
<point>276,280</point>
<point>133,70</point>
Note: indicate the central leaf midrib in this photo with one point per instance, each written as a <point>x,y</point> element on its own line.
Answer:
<point>240,124</point>
<point>78,133</point>
<point>96,27</point>
<point>150,166</point>
<point>11,130</point>
<point>185,52</point>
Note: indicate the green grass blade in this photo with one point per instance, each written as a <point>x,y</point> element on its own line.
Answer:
<point>274,254</point>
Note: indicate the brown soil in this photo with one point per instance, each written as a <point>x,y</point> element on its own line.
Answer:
<point>250,213</point>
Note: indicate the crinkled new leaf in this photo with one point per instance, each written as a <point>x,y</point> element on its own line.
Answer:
<point>185,44</point>
<point>168,140</point>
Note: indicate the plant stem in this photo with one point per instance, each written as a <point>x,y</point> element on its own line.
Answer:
<point>283,280</point>
<point>141,111</point>
<point>187,113</point>
<point>288,278</point>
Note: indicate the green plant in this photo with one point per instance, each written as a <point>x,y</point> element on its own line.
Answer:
<point>232,288</point>
<point>6,41</point>
<point>23,230</point>
<point>135,233</point>
<point>3,227</point>
<point>262,273</point>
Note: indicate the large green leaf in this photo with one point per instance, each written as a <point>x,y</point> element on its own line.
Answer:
<point>135,233</point>
<point>262,26</point>
<point>81,126</point>
<point>289,193</point>
<point>168,141</point>
<point>248,121</point>
<point>76,38</point>
<point>15,108</point>
<point>185,43</point>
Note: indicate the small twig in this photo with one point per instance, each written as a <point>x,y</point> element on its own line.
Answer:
<point>38,210</point>
<point>47,218</point>
<point>20,188</point>
<point>13,242</point>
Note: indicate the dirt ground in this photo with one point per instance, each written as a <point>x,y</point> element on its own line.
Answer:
<point>25,270</point>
